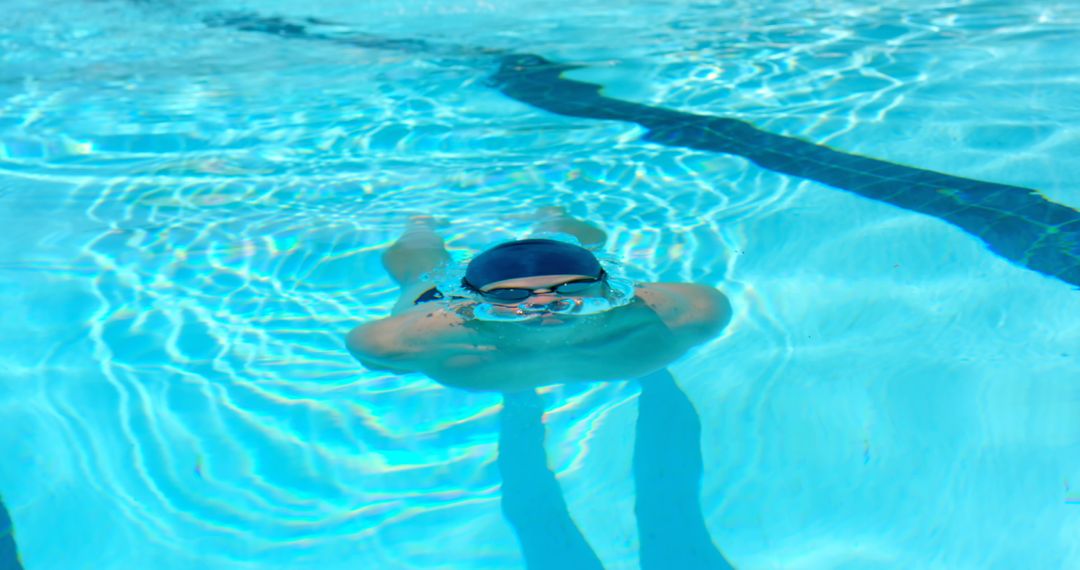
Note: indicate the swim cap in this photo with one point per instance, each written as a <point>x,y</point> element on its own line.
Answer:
<point>530,258</point>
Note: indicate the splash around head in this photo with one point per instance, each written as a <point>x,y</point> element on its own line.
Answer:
<point>535,280</point>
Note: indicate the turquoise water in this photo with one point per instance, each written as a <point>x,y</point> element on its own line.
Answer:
<point>195,215</point>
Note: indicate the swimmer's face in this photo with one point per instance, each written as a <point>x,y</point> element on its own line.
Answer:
<point>534,294</point>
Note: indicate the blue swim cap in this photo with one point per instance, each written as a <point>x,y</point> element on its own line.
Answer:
<point>530,258</point>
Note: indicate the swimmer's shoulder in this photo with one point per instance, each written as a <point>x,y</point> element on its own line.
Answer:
<point>692,311</point>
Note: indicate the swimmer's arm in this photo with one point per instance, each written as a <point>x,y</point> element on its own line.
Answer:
<point>694,313</point>
<point>407,342</point>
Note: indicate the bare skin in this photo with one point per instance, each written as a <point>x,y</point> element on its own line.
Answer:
<point>661,323</point>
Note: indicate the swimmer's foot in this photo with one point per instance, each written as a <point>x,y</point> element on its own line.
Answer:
<point>551,213</point>
<point>420,231</point>
<point>557,219</point>
<point>417,252</point>
<point>423,222</point>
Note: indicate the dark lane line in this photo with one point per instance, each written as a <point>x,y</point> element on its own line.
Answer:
<point>1016,223</point>
<point>9,555</point>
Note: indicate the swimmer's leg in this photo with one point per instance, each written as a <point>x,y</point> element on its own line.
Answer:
<point>667,476</point>
<point>557,219</point>
<point>531,498</point>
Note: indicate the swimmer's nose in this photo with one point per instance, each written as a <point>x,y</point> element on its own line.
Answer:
<point>542,299</point>
<point>553,304</point>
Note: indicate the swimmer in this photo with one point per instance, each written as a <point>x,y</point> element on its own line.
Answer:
<point>531,312</point>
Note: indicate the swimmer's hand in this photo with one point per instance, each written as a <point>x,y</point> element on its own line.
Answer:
<point>464,309</point>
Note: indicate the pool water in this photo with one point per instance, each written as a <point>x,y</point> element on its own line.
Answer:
<point>195,211</point>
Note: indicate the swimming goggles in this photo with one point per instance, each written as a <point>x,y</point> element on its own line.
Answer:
<point>620,291</point>
<point>516,294</point>
<point>525,312</point>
